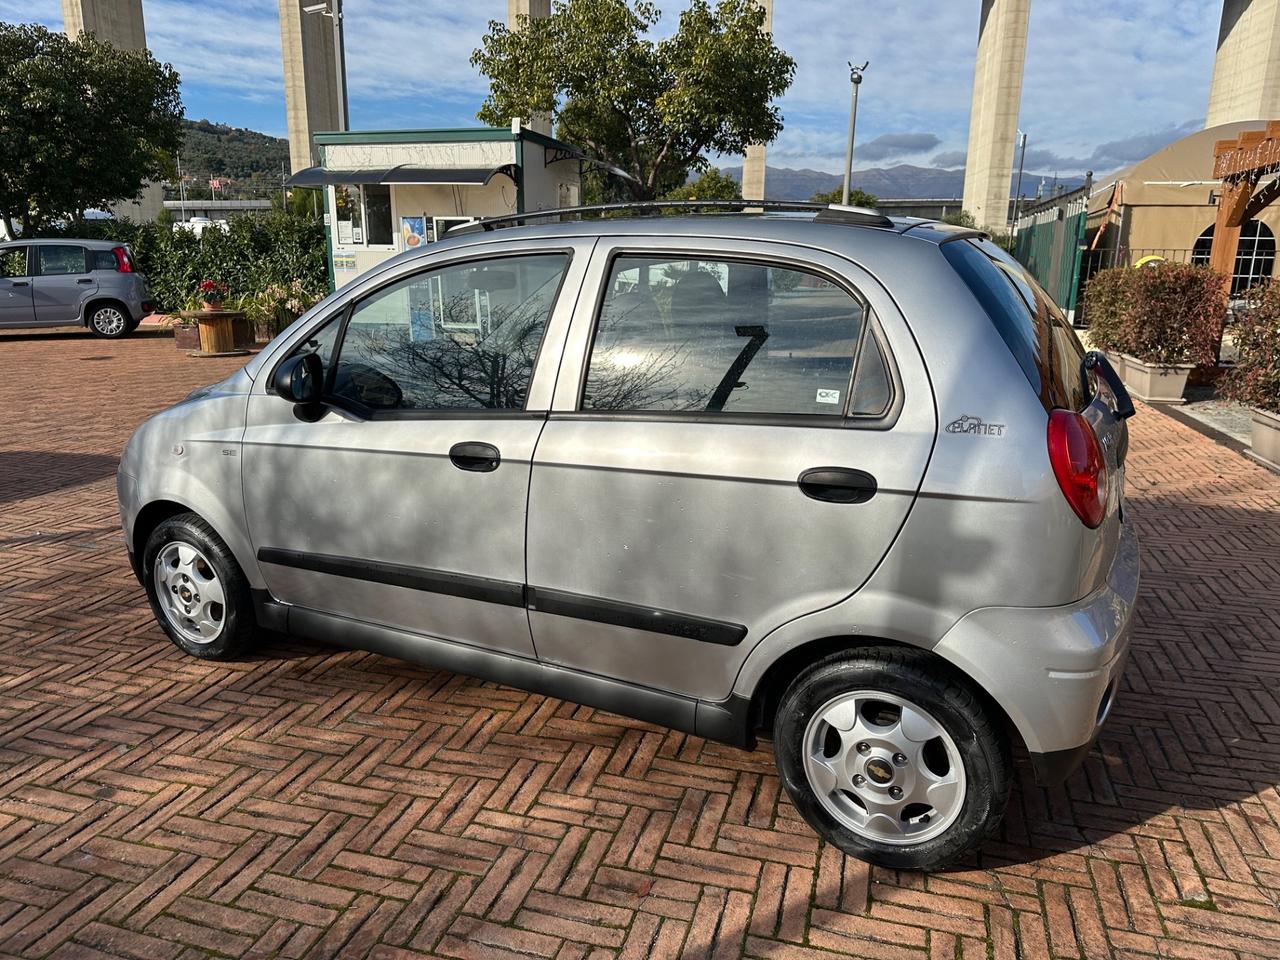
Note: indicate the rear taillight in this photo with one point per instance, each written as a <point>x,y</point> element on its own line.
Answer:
<point>124,262</point>
<point>1078,464</point>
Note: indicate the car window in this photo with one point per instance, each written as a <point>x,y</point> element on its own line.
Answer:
<point>1027,319</point>
<point>57,259</point>
<point>13,262</point>
<point>461,337</point>
<point>711,336</point>
<point>102,260</point>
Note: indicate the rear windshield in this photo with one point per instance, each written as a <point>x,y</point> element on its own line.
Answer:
<point>1029,322</point>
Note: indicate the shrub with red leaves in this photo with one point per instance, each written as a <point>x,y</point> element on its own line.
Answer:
<point>1256,378</point>
<point>1164,314</point>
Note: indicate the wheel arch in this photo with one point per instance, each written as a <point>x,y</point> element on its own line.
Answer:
<point>156,511</point>
<point>96,300</point>
<point>773,683</point>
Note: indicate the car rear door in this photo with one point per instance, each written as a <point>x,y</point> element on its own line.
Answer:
<point>404,503</point>
<point>739,431</point>
<point>62,282</point>
<point>16,308</point>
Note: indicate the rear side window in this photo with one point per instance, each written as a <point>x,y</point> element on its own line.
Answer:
<point>102,260</point>
<point>718,336</point>
<point>1029,322</point>
<point>56,259</point>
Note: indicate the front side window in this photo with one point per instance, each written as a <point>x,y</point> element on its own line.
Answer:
<point>56,259</point>
<point>463,337</point>
<point>13,262</point>
<point>719,336</point>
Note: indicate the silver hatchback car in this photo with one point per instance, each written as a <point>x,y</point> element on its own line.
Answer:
<point>847,480</point>
<point>58,282</point>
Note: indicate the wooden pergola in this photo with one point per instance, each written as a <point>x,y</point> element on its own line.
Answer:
<point>1241,165</point>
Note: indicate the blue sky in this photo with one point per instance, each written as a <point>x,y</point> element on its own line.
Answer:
<point>1107,81</point>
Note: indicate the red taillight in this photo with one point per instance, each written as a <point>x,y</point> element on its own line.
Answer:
<point>124,262</point>
<point>1078,464</point>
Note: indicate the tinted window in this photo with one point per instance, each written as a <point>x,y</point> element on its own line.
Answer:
<point>1029,322</point>
<point>13,262</point>
<point>715,335</point>
<point>461,337</point>
<point>58,259</point>
<point>102,260</point>
<point>377,205</point>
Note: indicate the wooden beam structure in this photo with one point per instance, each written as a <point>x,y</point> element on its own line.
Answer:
<point>1241,165</point>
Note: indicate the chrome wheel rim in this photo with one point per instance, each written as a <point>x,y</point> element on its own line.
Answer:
<point>884,767</point>
<point>108,320</point>
<point>190,592</point>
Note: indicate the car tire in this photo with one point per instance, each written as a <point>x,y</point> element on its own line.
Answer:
<point>915,792</point>
<point>198,592</point>
<point>110,321</point>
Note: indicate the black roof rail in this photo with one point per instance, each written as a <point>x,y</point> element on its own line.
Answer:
<point>826,213</point>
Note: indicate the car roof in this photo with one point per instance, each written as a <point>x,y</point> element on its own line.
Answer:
<point>46,241</point>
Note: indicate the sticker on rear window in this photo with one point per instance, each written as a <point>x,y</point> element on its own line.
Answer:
<point>828,396</point>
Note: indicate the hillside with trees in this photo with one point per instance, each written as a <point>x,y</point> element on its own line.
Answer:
<point>251,161</point>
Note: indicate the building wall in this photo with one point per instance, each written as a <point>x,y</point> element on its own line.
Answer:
<point>371,156</point>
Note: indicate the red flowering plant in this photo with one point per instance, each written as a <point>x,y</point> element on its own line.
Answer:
<point>1255,381</point>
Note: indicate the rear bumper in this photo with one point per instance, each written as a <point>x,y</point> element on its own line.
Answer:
<point>1054,670</point>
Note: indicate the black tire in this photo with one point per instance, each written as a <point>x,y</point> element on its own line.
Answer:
<point>908,674</point>
<point>238,625</point>
<point>110,321</point>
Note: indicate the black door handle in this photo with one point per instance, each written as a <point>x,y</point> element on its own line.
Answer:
<point>85,280</point>
<point>476,457</point>
<point>838,484</point>
<point>19,283</point>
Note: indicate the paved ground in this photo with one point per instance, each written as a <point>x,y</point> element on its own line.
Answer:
<point>311,803</point>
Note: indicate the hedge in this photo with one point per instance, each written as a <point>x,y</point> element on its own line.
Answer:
<point>1168,313</point>
<point>1255,381</point>
<point>254,254</point>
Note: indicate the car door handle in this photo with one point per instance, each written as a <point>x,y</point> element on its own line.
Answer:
<point>19,283</point>
<point>85,280</point>
<point>838,484</point>
<point>475,457</point>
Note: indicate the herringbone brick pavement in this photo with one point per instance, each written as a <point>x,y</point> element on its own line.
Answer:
<point>318,803</point>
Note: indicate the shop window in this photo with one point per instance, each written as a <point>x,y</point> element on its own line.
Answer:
<point>363,215</point>
<point>1255,257</point>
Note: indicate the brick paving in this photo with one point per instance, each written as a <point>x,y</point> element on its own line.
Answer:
<point>316,803</point>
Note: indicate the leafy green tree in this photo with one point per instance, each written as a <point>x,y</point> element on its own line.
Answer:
<point>653,109</point>
<point>712,185</point>
<point>961,218</point>
<point>857,198</point>
<point>82,124</point>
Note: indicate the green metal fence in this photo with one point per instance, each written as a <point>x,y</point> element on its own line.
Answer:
<point>1049,242</point>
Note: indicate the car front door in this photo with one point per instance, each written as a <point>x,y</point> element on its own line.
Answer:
<point>16,308</point>
<point>738,433</point>
<point>62,282</point>
<point>404,504</point>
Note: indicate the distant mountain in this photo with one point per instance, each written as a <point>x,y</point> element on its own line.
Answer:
<point>902,182</point>
<point>244,163</point>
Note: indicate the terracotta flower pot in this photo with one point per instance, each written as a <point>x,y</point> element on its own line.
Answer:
<point>1266,436</point>
<point>211,304</point>
<point>1154,382</point>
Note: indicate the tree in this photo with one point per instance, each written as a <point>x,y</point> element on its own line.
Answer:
<point>654,109</point>
<point>857,198</point>
<point>712,185</point>
<point>82,124</point>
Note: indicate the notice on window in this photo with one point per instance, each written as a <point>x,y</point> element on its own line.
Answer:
<point>344,261</point>
<point>345,232</point>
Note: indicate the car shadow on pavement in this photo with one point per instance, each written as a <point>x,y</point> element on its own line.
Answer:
<point>25,474</point>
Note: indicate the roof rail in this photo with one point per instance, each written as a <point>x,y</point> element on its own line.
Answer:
<point>826,213</point>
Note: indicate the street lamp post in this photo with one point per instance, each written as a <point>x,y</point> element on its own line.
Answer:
<point>1017,197</point>
<point>333,10</point>
<point>855,78</point>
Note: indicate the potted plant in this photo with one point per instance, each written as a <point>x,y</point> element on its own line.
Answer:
<point>1255,381</point>
<point>212,293</point>
<point>1105,297</point>
<point>275,307</point>
<point>1164,320</point>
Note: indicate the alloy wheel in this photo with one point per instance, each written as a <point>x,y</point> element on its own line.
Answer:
<point>190,592</point>
<point>108,321</point>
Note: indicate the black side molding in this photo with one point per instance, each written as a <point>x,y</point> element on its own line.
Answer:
<point>398,575</point>
<point>619,614</point>
<point>727,721</point>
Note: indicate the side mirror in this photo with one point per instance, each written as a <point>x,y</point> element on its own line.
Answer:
<point>300,380</point>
